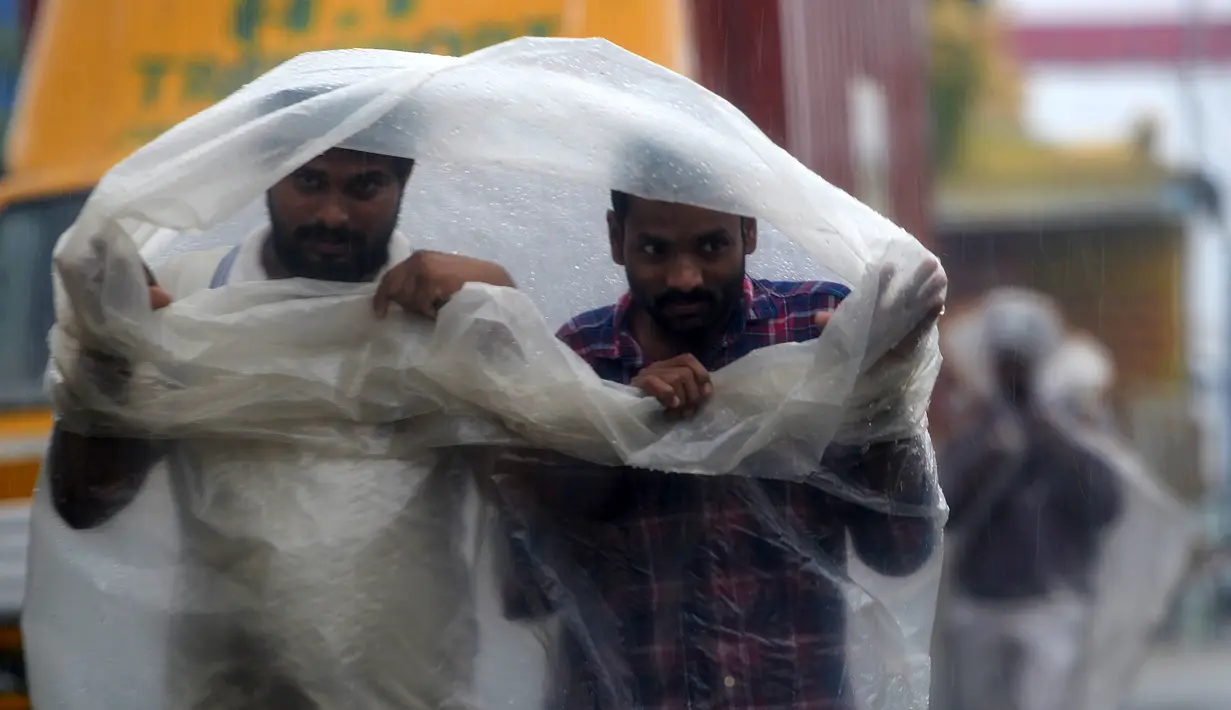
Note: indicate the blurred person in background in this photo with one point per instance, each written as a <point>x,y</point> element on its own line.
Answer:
<point>1029,508</point>
<point>1076,382</point>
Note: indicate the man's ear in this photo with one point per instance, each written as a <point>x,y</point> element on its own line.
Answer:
<point>615,234</point>
<point>748,226</point>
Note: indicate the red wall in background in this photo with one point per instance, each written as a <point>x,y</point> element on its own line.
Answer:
<point>739,56</point>
<point>792,79</point>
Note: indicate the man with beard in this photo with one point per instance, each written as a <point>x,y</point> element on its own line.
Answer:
<point>332,219</point>
<point>706,589</point>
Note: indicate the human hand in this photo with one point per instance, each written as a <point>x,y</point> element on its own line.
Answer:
<point>925,293</point>
<point>927,289</point>
<point>426,281</point>
<point>680,384</point>
<point>159,298</point>
<point>912,307</point>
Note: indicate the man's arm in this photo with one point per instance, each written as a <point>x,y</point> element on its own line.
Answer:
<point>540,494</point>
<point>895,544</point>
<point>93,478</point>
<point>549,486</point>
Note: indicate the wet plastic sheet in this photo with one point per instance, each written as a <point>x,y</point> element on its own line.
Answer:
<point>1145,552</point>
<point>330,524</point>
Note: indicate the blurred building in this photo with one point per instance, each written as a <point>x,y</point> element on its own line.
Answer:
<point>1083,153</point>
<point>841,85</point>
<point>1103,226</point>
<point>1096,69</point>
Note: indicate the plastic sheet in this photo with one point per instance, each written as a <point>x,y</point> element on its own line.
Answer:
<point>1143,555</point>
<point>333,521</point>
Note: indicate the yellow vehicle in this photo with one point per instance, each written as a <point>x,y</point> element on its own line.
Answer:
<point>102,77</point>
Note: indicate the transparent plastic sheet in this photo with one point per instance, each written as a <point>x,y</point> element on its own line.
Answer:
<point>1144,553</point>
<point>317,463</point>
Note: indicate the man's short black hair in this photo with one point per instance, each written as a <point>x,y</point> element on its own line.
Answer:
<point>619,204</point>
<point>286,98</point>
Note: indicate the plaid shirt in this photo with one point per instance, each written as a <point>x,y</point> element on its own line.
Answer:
<point>704,592</point>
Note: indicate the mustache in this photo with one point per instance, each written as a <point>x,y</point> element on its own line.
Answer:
<point>684,298</point>
<point>333,234</point>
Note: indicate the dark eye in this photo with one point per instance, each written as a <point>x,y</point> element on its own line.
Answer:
<point>308,181</point>
<point>366,186</point>
<point>713,245</point>
<point>653,249</point>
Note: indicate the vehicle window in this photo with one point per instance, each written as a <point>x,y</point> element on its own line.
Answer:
<point>28,233</point>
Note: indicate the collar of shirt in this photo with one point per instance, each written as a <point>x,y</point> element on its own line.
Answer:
<point>248,266</point>
<point>618,342</point>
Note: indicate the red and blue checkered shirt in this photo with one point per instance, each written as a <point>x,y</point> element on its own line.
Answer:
<point>711,592</point>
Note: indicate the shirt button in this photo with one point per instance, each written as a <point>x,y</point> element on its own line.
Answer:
<point>729,682</point>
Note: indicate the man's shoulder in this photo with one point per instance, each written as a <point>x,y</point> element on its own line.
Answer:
<point>584,328</point>
<point>186,273</point>
<point>803,295</point>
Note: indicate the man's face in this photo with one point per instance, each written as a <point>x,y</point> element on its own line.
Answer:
<point>685,264</point>
<point>332,218</point>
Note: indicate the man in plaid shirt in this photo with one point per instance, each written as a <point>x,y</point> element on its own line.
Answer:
<point>695,591</point>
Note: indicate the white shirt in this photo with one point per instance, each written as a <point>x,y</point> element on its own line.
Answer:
<point>188,273</point>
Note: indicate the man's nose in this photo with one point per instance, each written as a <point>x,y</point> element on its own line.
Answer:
<point>684,276</point>
<point>332,212</point>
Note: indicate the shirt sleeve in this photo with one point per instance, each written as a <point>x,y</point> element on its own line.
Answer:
<point>894,532</point>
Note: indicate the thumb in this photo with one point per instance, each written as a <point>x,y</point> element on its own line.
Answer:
<point>159,298</point>
<point>821,319</point>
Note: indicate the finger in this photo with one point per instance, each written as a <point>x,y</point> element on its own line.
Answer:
<point>427,298</point>
<point>916,336</point>
<point>391,290</point>
<point>822,319</point>
<point>887,272</point>
<point>380,302</point>
<point>936,286</point>
<point>159,298</point>
<point>687,387</point>
<point>929,283</point>
<point>657,388</point>
<point>700,375</point>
